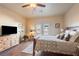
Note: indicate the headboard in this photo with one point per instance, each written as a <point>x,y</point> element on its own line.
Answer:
<point>76,37</point>
<point>75,28</point>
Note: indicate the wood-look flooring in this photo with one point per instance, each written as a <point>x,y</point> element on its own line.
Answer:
<point>16,50</point>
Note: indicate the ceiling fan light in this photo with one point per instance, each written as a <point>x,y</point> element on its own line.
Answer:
<point>33,5</point>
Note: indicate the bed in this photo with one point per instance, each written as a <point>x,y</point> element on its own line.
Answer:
<point>53,44</point>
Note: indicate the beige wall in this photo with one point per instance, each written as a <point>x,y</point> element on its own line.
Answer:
<point>10,18</point>
<point>47,20</point>
<point>72,16</point>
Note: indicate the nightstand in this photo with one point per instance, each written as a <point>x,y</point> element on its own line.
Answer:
<point>31,37</point>
<point>25,38</point>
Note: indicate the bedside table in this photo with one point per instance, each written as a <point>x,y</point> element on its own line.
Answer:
<point>31,37</point>
<point>25,37</point>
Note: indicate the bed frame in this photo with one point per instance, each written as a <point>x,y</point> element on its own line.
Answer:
<point>70,28</point>
<point>34,44</point>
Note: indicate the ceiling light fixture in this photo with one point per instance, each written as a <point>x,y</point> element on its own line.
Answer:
<point>34,5</point>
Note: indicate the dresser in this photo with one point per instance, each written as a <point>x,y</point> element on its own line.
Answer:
<point>8,41</point>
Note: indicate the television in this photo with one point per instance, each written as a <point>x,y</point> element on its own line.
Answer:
<point>7,30</point>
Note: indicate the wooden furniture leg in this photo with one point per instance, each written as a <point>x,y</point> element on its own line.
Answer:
<point>34,44</point>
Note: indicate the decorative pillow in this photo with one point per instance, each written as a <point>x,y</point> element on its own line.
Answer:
<point>67,37</point>
<point>58,36</point>
<point>72,32</point>
<point>61,36</point>
<point>67,31</point>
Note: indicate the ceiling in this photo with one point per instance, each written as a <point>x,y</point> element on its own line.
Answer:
<point>51,9</point>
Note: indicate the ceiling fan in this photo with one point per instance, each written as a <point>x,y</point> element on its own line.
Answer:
<point>34,5</point>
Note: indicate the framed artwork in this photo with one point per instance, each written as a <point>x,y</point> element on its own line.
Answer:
<point>57,25</point>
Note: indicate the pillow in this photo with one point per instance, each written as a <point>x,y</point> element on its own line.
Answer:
<point>72,32</point>
<point>58,36</point>
<point>67,37</point>
<point>67,31</point>
<point>61,36</point>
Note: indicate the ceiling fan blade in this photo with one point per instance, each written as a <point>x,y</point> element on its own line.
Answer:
<point>25,5</point>
<point>41,5</point>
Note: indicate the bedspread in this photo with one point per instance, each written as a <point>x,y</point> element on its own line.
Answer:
<point>56,46</point>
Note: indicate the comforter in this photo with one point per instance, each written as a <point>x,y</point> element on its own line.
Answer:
<point>52,44</point>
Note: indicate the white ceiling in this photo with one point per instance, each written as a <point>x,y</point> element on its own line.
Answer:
<point>51,9</point>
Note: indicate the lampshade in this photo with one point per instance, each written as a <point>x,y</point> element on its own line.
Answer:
<point>32,32</point>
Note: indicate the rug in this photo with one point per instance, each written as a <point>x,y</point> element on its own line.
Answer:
<point>29,49</point>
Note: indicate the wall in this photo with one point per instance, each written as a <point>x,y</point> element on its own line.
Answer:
<point>72,16</point>
<point>11,18</point>
<point>47,20</point>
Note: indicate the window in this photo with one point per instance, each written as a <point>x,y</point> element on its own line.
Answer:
<point>38,29</point>
<point>42,29</point>
<point>45,29</point>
